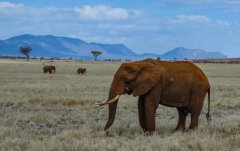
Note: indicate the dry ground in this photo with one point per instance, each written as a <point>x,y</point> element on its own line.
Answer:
<point>55,112</point>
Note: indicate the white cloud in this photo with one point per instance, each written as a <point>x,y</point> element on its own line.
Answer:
<point>103,12</point>
<point>191,18</point>
<point>230,5</point>
<point>9,5</point>
<point>94,13</point>
<point>227,5</point>
<point>223,23</point>
<point>187,1</point>
<point>186,21</point>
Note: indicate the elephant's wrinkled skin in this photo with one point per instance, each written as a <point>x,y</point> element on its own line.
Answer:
<point>81,70</point>
<point>178,84</point>
<point>49,69</point>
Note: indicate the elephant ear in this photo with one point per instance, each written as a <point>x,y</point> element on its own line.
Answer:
<point>148,77</point>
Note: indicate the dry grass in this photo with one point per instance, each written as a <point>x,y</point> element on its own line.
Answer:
<point>55,112</point>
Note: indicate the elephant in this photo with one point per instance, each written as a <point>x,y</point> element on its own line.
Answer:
<point>81,70</point>
<point>179,84</point>
<point>49,68</point>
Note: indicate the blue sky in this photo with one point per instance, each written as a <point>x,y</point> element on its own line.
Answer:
<point>142,25</point>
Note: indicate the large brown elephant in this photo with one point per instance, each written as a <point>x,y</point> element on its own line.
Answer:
<point>49,69</point>
<point>178,84</point>
<point>81,70</point>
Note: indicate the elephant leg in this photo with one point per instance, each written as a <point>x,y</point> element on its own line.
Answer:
<point>194,119</point>
<point>141,114</point>
<point>196,110</point>
<point>150,112</point>
<point>182,114</point>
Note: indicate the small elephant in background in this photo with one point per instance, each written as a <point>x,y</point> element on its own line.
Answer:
<point>49,69</point>
<point>81,70</point>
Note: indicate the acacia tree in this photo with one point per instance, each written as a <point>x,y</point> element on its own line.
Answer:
<point>96,53</point>
<point>25,50</point>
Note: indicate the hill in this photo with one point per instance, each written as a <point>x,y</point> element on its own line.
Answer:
<point>65,47</point>
<point>182,53</point>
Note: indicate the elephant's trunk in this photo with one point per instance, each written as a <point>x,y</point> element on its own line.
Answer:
<point>113,106</point>
<point>111,115</point>
<point>116,90</point>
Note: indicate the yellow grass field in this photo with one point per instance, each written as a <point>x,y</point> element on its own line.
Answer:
<point>43,112</point>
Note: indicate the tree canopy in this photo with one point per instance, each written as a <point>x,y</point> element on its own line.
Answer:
<point>25,50</point>
<point>95,54</point>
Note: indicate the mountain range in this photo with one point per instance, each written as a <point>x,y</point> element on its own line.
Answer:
<point>65,47</point>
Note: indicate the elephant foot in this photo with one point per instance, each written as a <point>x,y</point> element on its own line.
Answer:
<point>190,129</point>
<point>148,133</point>
<point>193,127</point>
<point>179,129</point>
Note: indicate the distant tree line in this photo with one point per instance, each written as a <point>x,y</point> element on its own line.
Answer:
<point>220,61</point>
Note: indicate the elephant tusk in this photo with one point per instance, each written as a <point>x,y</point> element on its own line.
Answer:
<point>108,102</point>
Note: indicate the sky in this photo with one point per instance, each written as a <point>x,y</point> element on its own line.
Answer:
<point>145,26</point>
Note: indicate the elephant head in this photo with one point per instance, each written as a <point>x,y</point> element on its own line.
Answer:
<point>136,78</point>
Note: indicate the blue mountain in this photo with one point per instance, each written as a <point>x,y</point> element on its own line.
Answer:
<point>65,47</point>
<point>180,53</point>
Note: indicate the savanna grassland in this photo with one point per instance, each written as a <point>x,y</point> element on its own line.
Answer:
<point>43,112</point>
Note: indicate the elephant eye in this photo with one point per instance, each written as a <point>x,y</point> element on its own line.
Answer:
<point>127,82</point>
<point>124,79</point>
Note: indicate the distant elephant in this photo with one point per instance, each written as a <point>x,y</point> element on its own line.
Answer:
<point>81,70</point>
<point>178,84</point>
<point>49,69</point>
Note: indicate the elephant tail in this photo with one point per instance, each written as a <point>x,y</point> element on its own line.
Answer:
<point>208,116</point>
